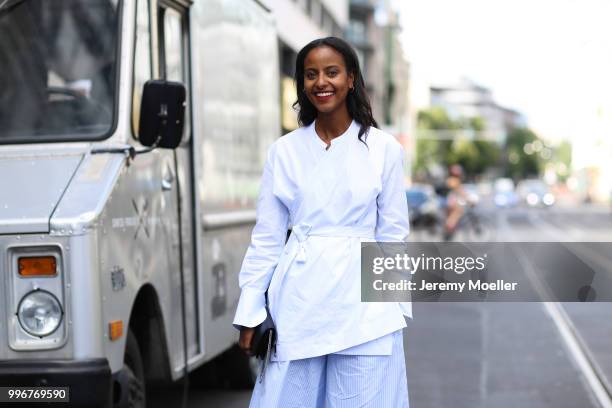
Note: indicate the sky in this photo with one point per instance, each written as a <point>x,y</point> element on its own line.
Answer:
<point>549,59</point>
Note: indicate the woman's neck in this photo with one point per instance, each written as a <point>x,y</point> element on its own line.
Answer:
<point>330,126</point>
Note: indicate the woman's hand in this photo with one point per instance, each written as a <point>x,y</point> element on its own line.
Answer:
<point>246,338</point>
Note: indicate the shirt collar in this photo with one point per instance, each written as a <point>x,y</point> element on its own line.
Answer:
<point>353,129</point>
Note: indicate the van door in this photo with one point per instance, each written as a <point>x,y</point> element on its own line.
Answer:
<point>173,46</point>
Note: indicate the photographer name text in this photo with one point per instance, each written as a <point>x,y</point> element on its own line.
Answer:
<point>477,285</point>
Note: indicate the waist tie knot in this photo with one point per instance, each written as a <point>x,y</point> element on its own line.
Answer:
<point>303,231</point>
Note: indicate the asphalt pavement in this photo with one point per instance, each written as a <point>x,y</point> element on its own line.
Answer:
<point>507,354</point>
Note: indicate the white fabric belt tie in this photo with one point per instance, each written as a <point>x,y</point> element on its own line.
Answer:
<point>303,231</point>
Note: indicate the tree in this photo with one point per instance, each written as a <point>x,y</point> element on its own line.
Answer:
<point>489,154</point>
<point>436,118</point>
<point>465,153</point>
<point>432,151</point>
<point>522,160</point>
<point>563,153</point>
<point>475,156</point>
<point>562,159</point>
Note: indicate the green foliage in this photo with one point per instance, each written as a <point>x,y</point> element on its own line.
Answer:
<point>523,156</point>
<point>477,123</point>
<point>436,119</point>
<point>521,162</point>
<point>563,160</point>
<point>465,153</point>
<point>563,153</point>
<point>475,156</point>
<point>489,154</point>
<point>427,153</point>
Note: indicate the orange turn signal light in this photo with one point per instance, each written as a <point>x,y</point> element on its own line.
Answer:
<point>37,266</point>
<point>115,329</point>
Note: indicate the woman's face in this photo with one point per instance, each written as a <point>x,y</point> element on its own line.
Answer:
<point>326,80</point>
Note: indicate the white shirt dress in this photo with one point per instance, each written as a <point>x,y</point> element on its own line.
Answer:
<point>332,199</point>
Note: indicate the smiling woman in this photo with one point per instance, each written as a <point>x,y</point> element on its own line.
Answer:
<point>327,81</point>
<point>338,180</point>
<point>330,65</point>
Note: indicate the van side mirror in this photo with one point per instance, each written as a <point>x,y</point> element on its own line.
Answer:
<point>162,114</point>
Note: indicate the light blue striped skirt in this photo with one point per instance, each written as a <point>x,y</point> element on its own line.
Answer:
<point>336,381</point>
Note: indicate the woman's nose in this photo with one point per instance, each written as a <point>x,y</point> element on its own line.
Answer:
<point>320,82</point>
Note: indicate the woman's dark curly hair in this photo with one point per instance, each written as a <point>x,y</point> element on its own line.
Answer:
<point>357,101</point>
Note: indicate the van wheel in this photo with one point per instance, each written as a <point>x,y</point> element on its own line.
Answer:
<point>129,385</point>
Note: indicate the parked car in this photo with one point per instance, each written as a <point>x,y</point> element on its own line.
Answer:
<point>504,194</point>
<point>535,193</point>
<point>423,205</point>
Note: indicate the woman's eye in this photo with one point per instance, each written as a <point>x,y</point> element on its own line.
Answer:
<point>311,75</point>
<point>332,73</point>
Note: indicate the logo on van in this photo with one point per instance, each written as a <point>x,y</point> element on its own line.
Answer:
<point>142,216</point>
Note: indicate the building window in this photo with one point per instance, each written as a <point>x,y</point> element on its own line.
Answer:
<point>357,32</point>
<point>302,4</point>
<point>287,60</point>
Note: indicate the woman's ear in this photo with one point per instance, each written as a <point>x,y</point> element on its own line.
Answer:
<point>351,81</point>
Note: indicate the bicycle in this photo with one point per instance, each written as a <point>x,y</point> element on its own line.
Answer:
<point>476,227</point>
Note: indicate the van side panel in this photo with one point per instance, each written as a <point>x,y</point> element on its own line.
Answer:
<point>123,230</point>
<point>236,116</point>
<point>138,245</point>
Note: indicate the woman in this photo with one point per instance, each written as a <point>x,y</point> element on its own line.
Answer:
<point>337,181</point>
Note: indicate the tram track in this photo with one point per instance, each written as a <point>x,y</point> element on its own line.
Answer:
<point>594,375</point>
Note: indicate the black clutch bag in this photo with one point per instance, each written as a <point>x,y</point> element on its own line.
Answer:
<point>264,340</point>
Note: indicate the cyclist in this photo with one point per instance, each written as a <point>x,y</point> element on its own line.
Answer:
<point>456,200</point>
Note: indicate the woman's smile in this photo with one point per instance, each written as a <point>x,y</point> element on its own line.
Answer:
<point>323,97</point>
<point>326,80</point>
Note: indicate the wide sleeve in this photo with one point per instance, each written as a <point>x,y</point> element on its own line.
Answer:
<point>392,223</point>
<point>267,243</point>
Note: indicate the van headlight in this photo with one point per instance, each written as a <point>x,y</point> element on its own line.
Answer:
<point>39,313</point>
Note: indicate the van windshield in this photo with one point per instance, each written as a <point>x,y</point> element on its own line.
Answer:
<point>57,69</point>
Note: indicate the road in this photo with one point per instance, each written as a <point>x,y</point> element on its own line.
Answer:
<point>507,354</point>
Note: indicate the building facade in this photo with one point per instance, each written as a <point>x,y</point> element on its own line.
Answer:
<point>466,99</point>
<point>299,22</point>
<point>374,32</point>
<point>371,27</point>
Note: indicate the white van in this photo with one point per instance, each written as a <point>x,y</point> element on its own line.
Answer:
<point>123,221</point>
